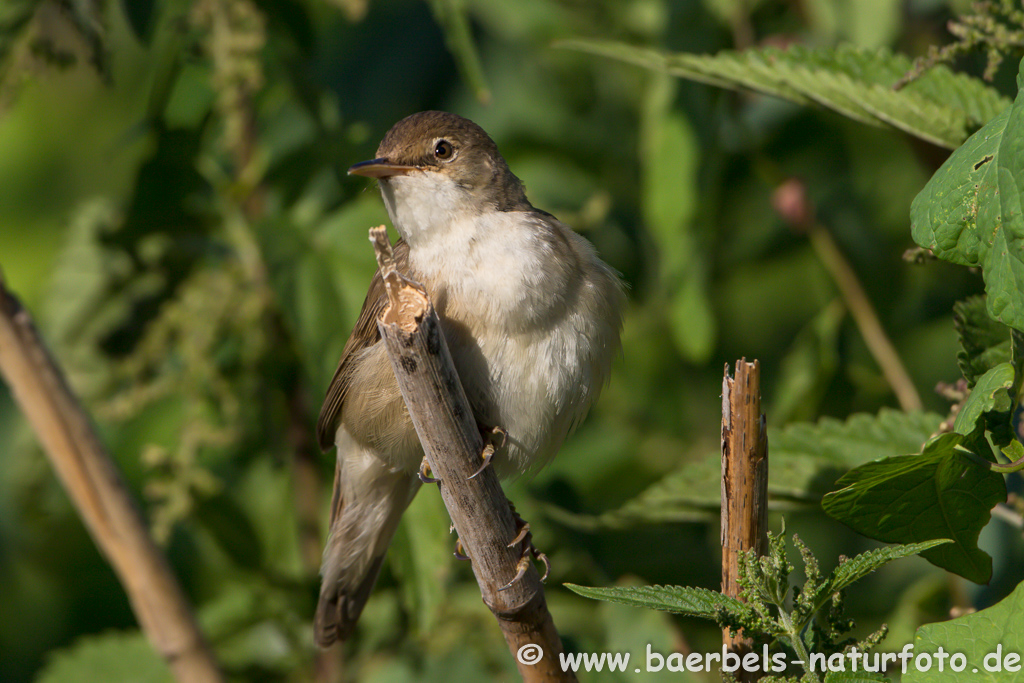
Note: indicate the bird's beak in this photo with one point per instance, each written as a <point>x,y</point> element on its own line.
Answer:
<point>380,168</point>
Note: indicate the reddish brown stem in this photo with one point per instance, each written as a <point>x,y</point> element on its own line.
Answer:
<point>744,484</point>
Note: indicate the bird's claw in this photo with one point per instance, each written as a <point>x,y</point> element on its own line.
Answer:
<point>490,448</point>
<point>529,551</point>
<point>460,553</point>
<point>537,555</point>
<point>524,531</point>
<point>425,474</point>
<point>487,455</point>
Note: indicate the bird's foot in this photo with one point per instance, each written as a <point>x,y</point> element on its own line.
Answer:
<point>460,553</point>
<point>425,475</point>
<point>491,435</point>
<point>525,538</point>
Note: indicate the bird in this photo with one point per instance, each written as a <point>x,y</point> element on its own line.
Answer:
<point>532,317</point>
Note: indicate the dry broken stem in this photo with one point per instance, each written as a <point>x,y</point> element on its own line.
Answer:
<point>96,488</point>
<point>453,445</point>
<point>744,483</point>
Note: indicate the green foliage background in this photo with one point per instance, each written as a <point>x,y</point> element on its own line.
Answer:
<point>174,210</point>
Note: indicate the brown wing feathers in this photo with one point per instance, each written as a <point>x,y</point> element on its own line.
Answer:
<point>364,335</point>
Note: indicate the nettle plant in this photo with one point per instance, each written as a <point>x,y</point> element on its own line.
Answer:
<point>970,213</point>
<point>785,629</point>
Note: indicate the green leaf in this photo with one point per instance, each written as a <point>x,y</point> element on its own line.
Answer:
<point>855,569</point>
<point>726,11</point>
<point>692,317</point>
<point>990,394</point>
<point>970,211</point>
<point>872,23</point>
<point>912,498</point>
<point>941,107</point>
<point>805,458</point>
<point>853,677</point>
<point>692,602</point>
<point>859,439</point>
<point>993,631</point>
<point>670,163</point>
<point>689,494</point>
<point>112,657</point>
<point>633,631</point>
<point>984,342</point>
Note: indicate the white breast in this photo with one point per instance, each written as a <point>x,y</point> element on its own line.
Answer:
<point>531,316</point>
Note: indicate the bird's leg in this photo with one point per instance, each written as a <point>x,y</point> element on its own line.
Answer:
<point>490,436</point>
<point>529,552</point>
<point>425,475</point>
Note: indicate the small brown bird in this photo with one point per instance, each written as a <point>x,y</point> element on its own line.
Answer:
<point>530,313</point>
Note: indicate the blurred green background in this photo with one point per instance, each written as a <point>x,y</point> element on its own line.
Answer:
<point>175,212</point>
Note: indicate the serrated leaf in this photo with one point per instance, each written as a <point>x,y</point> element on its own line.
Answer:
<point>941,107</point>
<point>634,631</point>
<point>860,438</point>
<point>990,394</point>
<point>984,342</point>
<point>805,458</point>
<point>686,600</point>
<point>857,568</point>
<point>993,631</point>
<point>940,493</point>
<point>689,494</point>
<point>113,657</point>
<point>970,211</point>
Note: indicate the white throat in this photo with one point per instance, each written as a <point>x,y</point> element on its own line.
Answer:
<point>423,206</point>
<point>499,263</point>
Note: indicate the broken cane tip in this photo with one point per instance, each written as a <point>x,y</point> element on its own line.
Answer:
<point>382,248</point>
<point>403,294</point>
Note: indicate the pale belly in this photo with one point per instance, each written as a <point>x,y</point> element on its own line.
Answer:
<point>534,386</point>
<point>532,342</point>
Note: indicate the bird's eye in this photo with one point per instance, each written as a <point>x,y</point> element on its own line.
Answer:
<point>443,150</point>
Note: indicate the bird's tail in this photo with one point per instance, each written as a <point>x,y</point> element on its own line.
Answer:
<point>369,499</point>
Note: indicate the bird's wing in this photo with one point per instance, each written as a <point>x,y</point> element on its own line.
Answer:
<point>364,335</point>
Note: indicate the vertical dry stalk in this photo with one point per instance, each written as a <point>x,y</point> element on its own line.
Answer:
<point>864,315</point>
<point>95,486</point>
<point>744,483</point>
<point>452,443</point>
<point>793,205</point>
